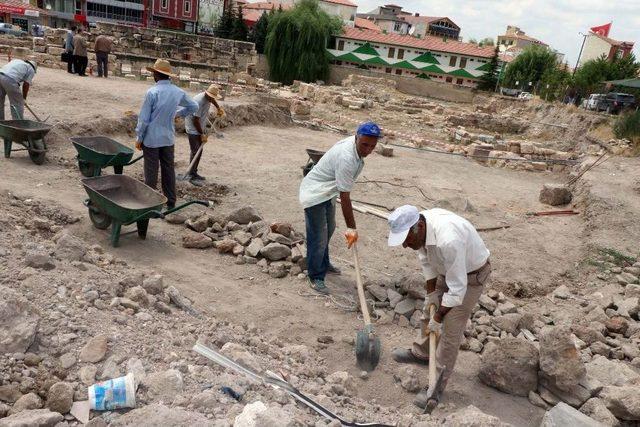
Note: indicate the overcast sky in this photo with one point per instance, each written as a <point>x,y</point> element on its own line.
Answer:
<point>555,22</point>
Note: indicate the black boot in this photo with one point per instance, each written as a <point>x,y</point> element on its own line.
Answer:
<point>405,355</point>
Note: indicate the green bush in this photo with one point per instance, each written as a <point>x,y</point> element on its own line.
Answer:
<point>628,126</point>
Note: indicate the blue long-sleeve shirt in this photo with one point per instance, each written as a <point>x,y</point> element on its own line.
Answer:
<point>68,41</point>
<point>159,109</point>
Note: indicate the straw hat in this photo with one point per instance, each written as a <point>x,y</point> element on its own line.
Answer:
<point>213,91</point>
<point>20,53</point>
<point>161,66</point>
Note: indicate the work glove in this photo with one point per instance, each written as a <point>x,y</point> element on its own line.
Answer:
<point>204,139</point>
<point>138,145</point>
<point>352,236</point>
<point>432,298</point>
<point>435,327</point>
<point>221,112</point>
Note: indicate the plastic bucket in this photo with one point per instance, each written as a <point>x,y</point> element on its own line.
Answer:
<point>113,394</point>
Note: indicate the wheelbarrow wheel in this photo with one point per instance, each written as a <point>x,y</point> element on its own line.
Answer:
<point>37,157</point>
<point>86,169</point>
<point>100,220</point>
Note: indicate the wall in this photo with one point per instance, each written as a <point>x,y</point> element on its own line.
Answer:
<point>408,85</point>
<point>594,47</point>
<point>346,13</point>
<point>261,69</point>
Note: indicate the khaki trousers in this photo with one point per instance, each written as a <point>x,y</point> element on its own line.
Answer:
<point>453,325</point>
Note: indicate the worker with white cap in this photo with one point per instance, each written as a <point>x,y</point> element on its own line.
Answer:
<point>455,264</point>
<point>19,71</point>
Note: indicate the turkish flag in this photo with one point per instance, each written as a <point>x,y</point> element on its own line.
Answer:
<point>602,30</point>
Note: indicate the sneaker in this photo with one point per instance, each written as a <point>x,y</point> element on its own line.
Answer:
<point>333,270</point>
<point>319,286</point>
<point>195,176</point>
<point>405,355</point>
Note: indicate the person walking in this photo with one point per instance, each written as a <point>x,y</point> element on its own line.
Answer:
<point>334,175</point>
<point>196,123</point>
<point>455,264</point>
<point>102,49</point>
<point>68,49</point>
<point>156,131</point>
<point>80,59</point>
<point>19,71</point>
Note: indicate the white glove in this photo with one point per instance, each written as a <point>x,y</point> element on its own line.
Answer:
<point>432,298</point>
<point>435,326</point>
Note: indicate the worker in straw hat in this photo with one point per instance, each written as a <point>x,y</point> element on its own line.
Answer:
<point>455,264</point>
<point>19,71</point>
<point>155,130</point>
<point>196,123</point>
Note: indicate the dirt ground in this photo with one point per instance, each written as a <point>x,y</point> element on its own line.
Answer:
<point>260,165</point>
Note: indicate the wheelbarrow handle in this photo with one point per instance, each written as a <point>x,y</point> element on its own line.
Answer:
<point>147,215</point>
<point>184,205</point>
<point>135,160</point>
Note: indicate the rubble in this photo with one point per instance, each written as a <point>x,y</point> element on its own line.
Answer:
<point>623,402</point>
<point>564,415</point>
<point>511,366</point>
<point>555,194</point>
<point>34,417</point>
<point>60,397</point>
<point>559,358</point>
<point>18,322</point>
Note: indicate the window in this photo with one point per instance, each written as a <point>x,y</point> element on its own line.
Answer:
<point>387,70</point>
<point>463,62</point>
<point>164,4</point>
<point>449,79</point>
<point>459,81</point>
<point>399,72</point>
<point>400,53</point>
<point>341,45</point>
<point>392,52</point>
<point>187,7</point>
<point>397,26</point>
<point>452,61</point>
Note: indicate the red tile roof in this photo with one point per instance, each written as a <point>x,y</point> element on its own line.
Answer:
<point>366,24</point>
<point>342,2</point>
<point>428,43</point>
<point>251,16</point>
<point>265,5</point>
<point>18,7</point>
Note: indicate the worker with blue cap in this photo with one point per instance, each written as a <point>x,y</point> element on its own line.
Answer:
<point>334,175</point>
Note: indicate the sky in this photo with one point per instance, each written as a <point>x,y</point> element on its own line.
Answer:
<point>555,22</point>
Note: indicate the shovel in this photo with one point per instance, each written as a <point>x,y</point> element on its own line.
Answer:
<point>34,114</point>
<point>187,174</point>
<point>435,378</point>
<point>367,343</point>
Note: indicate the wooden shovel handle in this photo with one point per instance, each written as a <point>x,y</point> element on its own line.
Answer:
<point>195,159</point>
<point>363,301</point>
<point>432,350</point>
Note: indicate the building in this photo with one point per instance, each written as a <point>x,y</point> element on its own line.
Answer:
<point>209,13</point>
<point>173,14</point>
<point>392,19</point>
<point>251,12</point>
<point>516,40</point>
<point>597,45</point>
<point>344,9</point>
<point>22,14</point>
<point>435,58</point>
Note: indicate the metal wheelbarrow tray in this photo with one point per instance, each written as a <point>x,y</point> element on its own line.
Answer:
<point>27,133</point>
<point>117,200</point>
<point>98,152</point>
<point>314,157</point>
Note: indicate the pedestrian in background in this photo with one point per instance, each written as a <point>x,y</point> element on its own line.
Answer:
<point>68,49</point>
<point>80,52</point>
<point>103,49</point>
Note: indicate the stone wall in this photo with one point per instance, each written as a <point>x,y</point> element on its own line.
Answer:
<point>408,85</point>
<point>135,48</point>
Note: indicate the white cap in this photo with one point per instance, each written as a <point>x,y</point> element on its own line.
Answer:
<point>400,222</point>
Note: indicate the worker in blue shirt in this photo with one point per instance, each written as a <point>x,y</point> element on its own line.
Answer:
<point>19,71</point>
<point>155,131</point>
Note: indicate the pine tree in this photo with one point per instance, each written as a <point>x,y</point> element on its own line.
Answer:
<point>489,79</point>
<point>240,29</point>
<point>224,29</point>
<point>259,32</point>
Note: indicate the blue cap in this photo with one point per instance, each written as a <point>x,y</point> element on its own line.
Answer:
<point>369,129</point>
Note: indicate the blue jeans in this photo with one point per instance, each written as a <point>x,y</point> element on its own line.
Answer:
<point>321,223</point>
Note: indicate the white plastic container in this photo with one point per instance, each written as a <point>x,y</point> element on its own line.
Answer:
<point>113,394</point>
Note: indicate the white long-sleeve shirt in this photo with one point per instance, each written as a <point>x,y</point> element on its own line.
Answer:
<point>453,248</point>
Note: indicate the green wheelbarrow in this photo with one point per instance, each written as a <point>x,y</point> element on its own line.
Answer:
<point>27,133</point>
<point>98,152</point>
<point>117,200</point>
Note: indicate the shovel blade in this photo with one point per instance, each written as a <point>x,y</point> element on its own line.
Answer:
<point>367,350</point>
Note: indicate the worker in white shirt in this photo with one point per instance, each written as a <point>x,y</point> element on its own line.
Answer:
<point>455,264</point>
<point>19,71</point>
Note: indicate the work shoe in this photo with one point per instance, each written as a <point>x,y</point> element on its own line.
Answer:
<point>405,355</point>
<point>197,177</point>
<point>319,286</point>
<point>333,270</point>
<point>422,401</point>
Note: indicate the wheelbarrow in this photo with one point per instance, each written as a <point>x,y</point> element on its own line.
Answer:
<point>314,157</point>
<point>117,200</point>
<point>98,152</point>
<point>27,133</point>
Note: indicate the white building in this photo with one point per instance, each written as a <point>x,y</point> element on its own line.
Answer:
<point>345,9</point>
<point>434,58</point>
<point>596,45</point>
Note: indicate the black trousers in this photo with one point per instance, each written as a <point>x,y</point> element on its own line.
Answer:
<point>70,64</point>
<point>80,64</point>
<point>160,158</point>
<point>102,58</point>
<point>194,143</point>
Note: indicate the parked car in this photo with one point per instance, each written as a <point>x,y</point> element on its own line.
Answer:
<point>615,102</point>
<point>12,30</point>
<point>509,92</point>
<point>526,96</point>
<point>591,103</point>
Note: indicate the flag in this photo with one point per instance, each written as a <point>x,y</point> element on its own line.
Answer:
<point>602,30</point>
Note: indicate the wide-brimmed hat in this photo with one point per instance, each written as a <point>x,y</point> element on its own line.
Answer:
<point>20,53</point>
<point>213,91</point>
<point>162,66</point>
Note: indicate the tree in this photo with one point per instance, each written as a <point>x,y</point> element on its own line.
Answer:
<point>224,28</point>
<point>489,80</point>
<point>473,41</point>
<point>259,32</point>
<point>529,66</point>
<point>487,41</point>
<point>297,40</point>
<point>239,29</point>
<point>590,76</point>
<point>554,83</point>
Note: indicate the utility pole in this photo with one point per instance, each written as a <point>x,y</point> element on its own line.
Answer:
<point>584,39</point>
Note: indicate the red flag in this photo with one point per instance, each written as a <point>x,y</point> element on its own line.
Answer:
<point>602,30</point>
